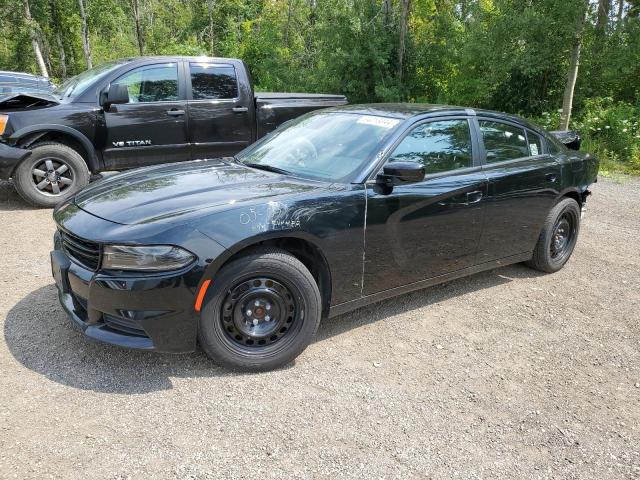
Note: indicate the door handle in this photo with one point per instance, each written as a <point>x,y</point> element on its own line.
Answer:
<point>474,197</point>
<point>240,109</point>
<point>551,177</point>
<point>175,112</point>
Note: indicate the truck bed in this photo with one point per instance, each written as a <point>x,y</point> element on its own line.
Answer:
<point>273,109</point>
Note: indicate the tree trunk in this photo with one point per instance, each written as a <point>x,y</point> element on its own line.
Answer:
<point>313,6</point>
<point>604,8</point>
<point>136,16</point>
<point>286,29</point>
<point>572,76</point>
<point>86,47</point>
<point>58,34</point>
<point>33,33</point>
<point>620,12</point>
<point>386,8</point>
<point>210,10</point>
<point>404,19</point>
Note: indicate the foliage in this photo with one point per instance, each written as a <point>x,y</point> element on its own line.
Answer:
<point>612,131</point>
<point>508,55</point>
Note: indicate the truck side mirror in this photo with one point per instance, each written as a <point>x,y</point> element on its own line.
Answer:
<point>116,94</point>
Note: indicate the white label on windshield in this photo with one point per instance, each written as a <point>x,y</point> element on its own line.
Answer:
<point>378,121</point>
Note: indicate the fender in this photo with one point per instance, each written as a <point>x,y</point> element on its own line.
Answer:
<point>221,259</point>
<point>578,194</point>
<point>92,161</point>
<point>326,285</point>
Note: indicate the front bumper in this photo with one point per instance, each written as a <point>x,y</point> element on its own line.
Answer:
<point>10,157</point>
<point>154,312</point>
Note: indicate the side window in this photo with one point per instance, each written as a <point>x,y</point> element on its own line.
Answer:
<point>502,141</point>
<point>439,146</point>
<point>156,83</point>
<point>535,143</point>
<point>212,82</point>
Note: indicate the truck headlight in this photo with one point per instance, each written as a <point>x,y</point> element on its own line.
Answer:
<point>4,119</point>
<point>148,258</point>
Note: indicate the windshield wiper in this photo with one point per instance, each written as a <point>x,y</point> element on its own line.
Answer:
<point>268,168</point>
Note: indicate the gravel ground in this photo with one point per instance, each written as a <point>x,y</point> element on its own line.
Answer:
<point>506,374</point>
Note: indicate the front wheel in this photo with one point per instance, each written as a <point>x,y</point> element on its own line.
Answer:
<point>558,237</point>
<point>51,174</point>
<point>262,312</point>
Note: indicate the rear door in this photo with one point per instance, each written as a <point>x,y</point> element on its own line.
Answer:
<point>523,185</point>
<point>430,228</point>
<point>151,128</point>
<point>221,114</point>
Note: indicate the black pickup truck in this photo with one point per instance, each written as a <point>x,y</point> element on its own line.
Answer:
<point>135,112</point>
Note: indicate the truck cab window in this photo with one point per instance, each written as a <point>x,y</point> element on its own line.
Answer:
<point>439,146</point>
<point>213,82</point>
<point>155,83</point>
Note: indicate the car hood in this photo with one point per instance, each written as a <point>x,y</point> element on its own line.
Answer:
<point>25,101</point>
<point>178,192</point>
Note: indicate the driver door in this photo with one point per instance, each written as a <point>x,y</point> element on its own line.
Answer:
<point>430,228</point>
<point>151,128</point>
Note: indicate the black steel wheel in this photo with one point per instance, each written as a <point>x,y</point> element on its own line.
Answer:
<point>558,237</point>
<point>563,236</point>
<point>51,174</point>
<point>261,312</point>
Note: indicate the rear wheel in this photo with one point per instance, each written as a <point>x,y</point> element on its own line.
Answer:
<point>261,313</point>
<point>558,237</point>
<point>51,174</point>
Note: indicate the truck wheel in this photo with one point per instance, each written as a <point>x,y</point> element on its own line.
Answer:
<point>558,237</point>
<point>51,174</point>
<point>262,311</point>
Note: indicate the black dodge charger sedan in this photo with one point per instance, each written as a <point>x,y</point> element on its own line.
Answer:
<point>335,210</point>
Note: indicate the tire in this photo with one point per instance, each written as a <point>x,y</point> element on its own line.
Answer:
<point>261,312</point>
<point>558,237</point>
<point>62,174</point>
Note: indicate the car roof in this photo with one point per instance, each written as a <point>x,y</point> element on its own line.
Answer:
<point>409,110</point>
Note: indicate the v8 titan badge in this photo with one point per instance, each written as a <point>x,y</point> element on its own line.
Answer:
<point>131,143</point>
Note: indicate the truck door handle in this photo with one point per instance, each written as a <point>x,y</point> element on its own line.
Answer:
<point>175,112</point>
<point>240,109</point>
<point>474,197</point>
<point>551,177</point>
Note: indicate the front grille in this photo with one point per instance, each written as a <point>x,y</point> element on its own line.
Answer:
<point>84,252</point>
<point>82,302</point>
<point>124,326</point>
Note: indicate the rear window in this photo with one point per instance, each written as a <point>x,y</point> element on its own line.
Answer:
<point>213,82</point>
<point>535,143</point>
<point>503,141</point>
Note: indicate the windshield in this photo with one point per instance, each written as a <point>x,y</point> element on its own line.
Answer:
<point>78,84</point>
<point>323,146</point>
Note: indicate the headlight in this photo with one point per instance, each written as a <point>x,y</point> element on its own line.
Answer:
<point>151,258</point>
<point>3,123</point>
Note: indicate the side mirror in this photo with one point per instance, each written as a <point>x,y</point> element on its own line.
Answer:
<point>116,94</point>
<point>400,173</point>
